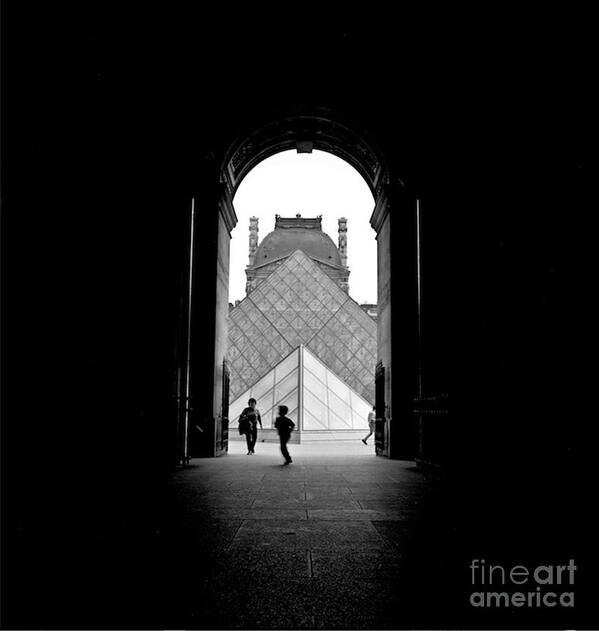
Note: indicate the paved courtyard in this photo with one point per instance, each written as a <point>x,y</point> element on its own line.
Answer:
<point>340,539</point>
<point>330,541</point>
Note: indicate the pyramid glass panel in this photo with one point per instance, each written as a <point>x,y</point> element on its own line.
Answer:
<point>316,407</point>
<point>310,422</point>
<point>315,367</point>
<point>339,422</point>
<point>266,402</point>
<point>267,418</point>
<point>314,385</point>
<point>338,387</point>
<point>263,386</point>
<point>286,385</point>
<point>286,366</point>
<point>339,407</point>
<point>328,402</point>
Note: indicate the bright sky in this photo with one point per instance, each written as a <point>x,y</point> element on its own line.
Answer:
<point>312,184</point>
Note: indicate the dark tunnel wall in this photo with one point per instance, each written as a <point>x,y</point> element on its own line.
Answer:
<point>118,123</point>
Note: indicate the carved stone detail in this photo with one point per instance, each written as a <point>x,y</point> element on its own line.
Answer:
<point>253,239</point>
<point>303,131</point>
<point>343,240</point>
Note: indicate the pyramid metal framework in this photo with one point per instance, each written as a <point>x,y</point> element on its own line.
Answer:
<point>317,399</point>
<point>298,304</point>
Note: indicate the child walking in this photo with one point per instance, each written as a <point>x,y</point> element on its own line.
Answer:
<point>285,426</point>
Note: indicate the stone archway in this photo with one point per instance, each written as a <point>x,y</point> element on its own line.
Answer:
<point>304,132</point>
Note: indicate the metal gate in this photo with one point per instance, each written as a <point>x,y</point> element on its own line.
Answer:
<point>224,433</point>
<point>379,402</point>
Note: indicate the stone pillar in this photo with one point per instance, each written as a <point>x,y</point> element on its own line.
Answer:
<point>209,322</point>
<point>225,223</point>
<point>343,240</point>
<point>397,318</point>
<point>253,239</point>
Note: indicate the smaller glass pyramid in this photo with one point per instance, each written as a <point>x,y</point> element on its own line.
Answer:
<point>317,398</point>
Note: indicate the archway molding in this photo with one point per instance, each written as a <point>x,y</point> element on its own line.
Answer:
<point>306,132</point>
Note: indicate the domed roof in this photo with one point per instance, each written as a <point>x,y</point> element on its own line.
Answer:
<point>297,234</point>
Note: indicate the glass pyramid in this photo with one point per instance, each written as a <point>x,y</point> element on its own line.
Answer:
<point>317,399</point>
<point>299,304</point>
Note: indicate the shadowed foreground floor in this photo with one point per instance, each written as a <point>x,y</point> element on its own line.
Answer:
<point>340,539</point>
<point>327,542</point>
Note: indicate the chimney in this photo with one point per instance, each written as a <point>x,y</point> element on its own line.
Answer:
<point>253,239</point>
<point>343,240</point>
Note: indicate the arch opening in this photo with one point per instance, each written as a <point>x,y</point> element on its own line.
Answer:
<point>303,134</point>
<point>303,293</point>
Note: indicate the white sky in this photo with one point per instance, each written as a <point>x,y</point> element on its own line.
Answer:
<point>312,184</point>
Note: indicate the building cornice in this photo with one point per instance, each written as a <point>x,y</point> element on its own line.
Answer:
<point>227,211</point>
<point>282,258</point>
<point>380,212</point>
